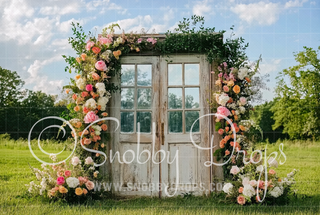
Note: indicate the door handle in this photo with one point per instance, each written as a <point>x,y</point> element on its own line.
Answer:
<point>162,133</point>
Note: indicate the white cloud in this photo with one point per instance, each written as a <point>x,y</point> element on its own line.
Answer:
<point>262,13</point>
<point>103,6</point>
<point>270,66</point>
<point>202,8</point>
<point>295,3</point>
<point>313,3</point>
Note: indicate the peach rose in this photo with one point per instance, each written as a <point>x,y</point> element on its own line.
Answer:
<point>220,131</point>
<point>104,127</point>
<point>78,59</point>
<point>95,76</point>
<point>76,108</point>
<point>116,54</point>
<point>74,96</point>
<point>225,88</point>
<point>83,56</point>
<point>78,191</point>
<point>62,189</point>
<point>89,185</point>
<point>240,189</point>
<point>67,91</point>
<point>87,141</point>
<point>236,89</point>
<point>227,152</point>
<point>241,200</point>
<point>272,172</point>
<point>85,191</point>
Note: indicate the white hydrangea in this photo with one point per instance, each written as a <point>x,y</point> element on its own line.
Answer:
<point>273,162</point>
<point>232,105</point>
<point>227,188</point>
<point>81,83</point>
<point>72,182</point>
<point>91,103</point>
<point>276,192</point>
<point>259,168</point>
<point>243,72</point>
<point>242,109</point>
<point>102,101</point>
<point>101,88</point>
<point>237,112</point>
<point>223,99</point>
<point>248,190</point>
<point>97,129</point>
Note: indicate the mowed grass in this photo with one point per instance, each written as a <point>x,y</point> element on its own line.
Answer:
<point>15,173</point>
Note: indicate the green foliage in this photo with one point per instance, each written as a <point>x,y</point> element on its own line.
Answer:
<point>263,116</point>
<point>297,104</point>
<point>188,39</point>
<point>10,85</point>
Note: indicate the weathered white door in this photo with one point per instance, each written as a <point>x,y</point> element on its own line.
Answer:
<point>184,94</point>
<point>138,102</point>
<point>172,93</point>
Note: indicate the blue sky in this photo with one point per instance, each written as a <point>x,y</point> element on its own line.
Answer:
<point>33,33</point>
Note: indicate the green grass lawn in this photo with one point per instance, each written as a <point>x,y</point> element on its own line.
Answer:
<point>15,173</point>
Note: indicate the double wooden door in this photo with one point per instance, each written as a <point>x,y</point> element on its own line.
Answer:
<point>161,98</point>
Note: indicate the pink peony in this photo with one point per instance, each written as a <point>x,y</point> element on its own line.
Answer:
<point>222,111</point>
<point>225,88</point>
<point>100,65</point>
<point>241,200</point>
<point>67,173</point>
<point>243,100</point>
<point>89,45</point>
<point>90,117</point>
<point>60,180</point>
<point>220,75</point>
<point>89,87</point>
<point>139,40</point>
<point>234,170</point>
<point>89,185</point>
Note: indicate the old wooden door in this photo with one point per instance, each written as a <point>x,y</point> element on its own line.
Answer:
<point>184,94</point>
<point>171,93</point>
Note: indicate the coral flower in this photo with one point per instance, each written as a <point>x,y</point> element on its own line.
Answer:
<point>240,189</point>
<point>227,152</point>
<point>83,56</point>
<point>84,94</point>
<point>241,200</point>
<point>220,131</point>
<point>96,50</point>
<point>85,110</point>
<point>104,127</point>
<point>74,96</point>
<point>67,91</point>
<point>76,108</point>
<point>95,76</point>
<point>236,89</point>
<point>248,79</point>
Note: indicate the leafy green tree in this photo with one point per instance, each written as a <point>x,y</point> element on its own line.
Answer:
<point>297,104</point>
<point>10,86</point>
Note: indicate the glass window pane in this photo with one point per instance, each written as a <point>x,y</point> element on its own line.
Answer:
<point>144,98</point>
<point>175,121</point>
<point>127,75</point>
<point>127,121</point>
<point>144,75</point>
<point>174,74</point>
<point>174,98</point>
<point>190,118</point>
<point>145,121</point>
<point>191,97</point>
<point>127,98</point>
<point>191,74</point>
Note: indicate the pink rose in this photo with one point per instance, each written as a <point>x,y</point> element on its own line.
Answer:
<point>152,40</point>
<point>100,65</point>
<point>220,131</point>
<point>241,200</point>
<point>89,45</point>
<point>89,185</point>
<point>139,40</point>
<point>225,88</point>
<point>60,180</point>
<point>234,170</point>
<point>243,100</point>
<point>82,180</point>
<point>220,75</point>
<point>90,117</point>
<point>67,173</point>
<point>222,111</point>
<point>225,64</point>
<point>89,87</point>
<point>104,40</point>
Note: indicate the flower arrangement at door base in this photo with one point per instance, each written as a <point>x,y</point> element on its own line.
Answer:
<point>68,181</point>
<point>250,186</point>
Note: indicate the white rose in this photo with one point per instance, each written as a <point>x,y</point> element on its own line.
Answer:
<point>248,190</point>
<point>227,188</point>
<point>234,170</point>
<point>81,83</point>
<point>101,89</point>
<point>223,99</point>
<point>253,183</point>
<point>245,181</point>
<point>88,161</point>
<point>91,103</point>
<point>102,101</point>
<point>72,182</point>
<point>75,161</point>
<point>259,168</point>
<point>243,72</point>
<point>276,192</point>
